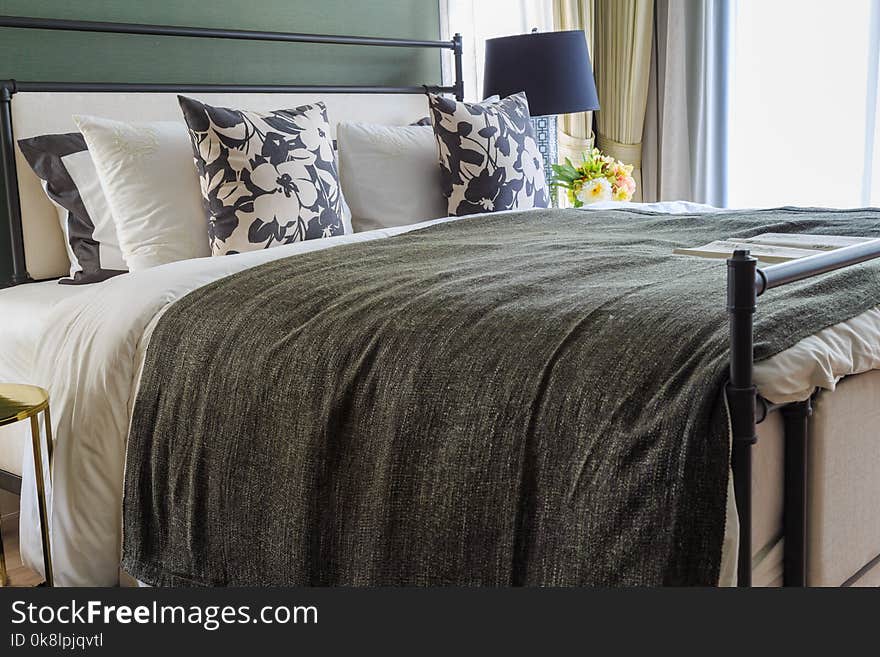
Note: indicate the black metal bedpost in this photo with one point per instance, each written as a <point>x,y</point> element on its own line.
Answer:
<point>796,417</point>
<point>458,52</point>
<point>10,180</point>
<point>742,397</point>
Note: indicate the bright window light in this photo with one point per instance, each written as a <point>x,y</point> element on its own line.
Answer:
<point>803,116</point>
<point>478,20</point>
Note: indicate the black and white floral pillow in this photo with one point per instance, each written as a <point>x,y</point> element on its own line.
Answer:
<point>488,155</point>
<point>267,179</point>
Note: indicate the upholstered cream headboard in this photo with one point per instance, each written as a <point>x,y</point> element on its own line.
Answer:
<point>45,113</point>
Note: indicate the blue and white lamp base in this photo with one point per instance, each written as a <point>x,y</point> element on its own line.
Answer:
<point>547,137</point>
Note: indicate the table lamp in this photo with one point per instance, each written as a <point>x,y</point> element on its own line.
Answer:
<point>554,70</point>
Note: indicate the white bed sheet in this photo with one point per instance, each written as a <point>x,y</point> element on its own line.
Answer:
<point>90,360</point>
<point>24,311</point>
<point>90,357</point>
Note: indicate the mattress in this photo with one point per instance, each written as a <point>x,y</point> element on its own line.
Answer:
<point>843,474</point>
<point>25,310</point>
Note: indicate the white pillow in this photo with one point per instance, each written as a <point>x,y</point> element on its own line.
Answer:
<point>82,171</point>
<point>151,185</point>
<point>389,174</point>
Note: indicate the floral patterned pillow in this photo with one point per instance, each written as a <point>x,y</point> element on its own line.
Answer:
<point>488,155</point>
<point>266,179</point>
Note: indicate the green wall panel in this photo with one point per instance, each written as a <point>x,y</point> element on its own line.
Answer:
<point>71,56</point>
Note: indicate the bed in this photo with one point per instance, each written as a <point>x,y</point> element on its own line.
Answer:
<point>88,346</point>
<point>834,561</point>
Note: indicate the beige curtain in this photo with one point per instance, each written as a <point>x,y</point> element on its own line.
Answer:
<point>660,72</point>
<point>685,135</point>
<point>575,130</point>
<point>623,31</point>
<point>666,152</point>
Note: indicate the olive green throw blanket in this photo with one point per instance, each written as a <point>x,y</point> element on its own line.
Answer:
<point>525,398</point>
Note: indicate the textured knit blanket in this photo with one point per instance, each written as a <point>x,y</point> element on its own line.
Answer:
<point>531,398</point>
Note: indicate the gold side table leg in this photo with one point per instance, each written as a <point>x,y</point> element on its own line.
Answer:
<point>3,574</point>
<point>41,497</point>
<point>47,421</point>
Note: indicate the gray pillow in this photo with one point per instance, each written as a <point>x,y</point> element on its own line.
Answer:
<point>389,174</point>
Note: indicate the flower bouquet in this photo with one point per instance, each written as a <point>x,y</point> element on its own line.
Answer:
<point>598,178</point>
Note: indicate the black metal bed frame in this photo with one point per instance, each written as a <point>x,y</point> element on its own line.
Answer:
<point>745,282</point>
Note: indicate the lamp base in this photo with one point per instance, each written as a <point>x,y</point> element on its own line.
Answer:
<point>547,137</point>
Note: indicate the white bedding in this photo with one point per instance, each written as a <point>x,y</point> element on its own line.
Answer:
<point>24,312</point>
<point>90,356</point>
<point>90,360</point>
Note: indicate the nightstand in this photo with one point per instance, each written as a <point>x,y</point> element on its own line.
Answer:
<point>18,403</point>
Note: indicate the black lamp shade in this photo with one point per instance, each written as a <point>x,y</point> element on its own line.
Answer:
<point>553,68</point>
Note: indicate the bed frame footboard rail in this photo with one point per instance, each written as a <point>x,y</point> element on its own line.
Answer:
<point>745,283</point>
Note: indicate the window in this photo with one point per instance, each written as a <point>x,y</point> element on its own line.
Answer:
<point>804,108</point>
<point>478,20</point>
